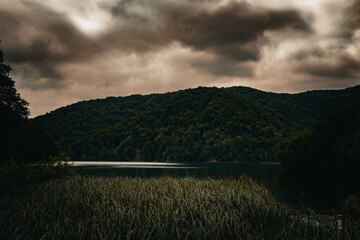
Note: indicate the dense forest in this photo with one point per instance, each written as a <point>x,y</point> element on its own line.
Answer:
<point>202,124</point>
<point>331,146</point>
<point>22,140</point>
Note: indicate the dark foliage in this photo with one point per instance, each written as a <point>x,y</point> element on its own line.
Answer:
<point>21,140</point>
<point>9,97</point>
<point>14,175</point>
<point>203,124</point>
<point>332,146</point>
<point>350,207</point>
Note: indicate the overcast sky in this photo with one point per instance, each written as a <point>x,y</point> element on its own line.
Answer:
<point>64,51</point>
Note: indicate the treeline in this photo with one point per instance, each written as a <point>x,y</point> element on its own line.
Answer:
<point>28,154</point>
<point>332,146</point>
<point>203,124</point>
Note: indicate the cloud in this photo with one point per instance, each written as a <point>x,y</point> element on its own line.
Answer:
<point>223,67</point>
<point>40,44</point>
<point>345,19</point>
<point>306,54</point>
<point>332,54</point>
<point>341,67</point>
<point>234,32</point>
<point>354,14</point>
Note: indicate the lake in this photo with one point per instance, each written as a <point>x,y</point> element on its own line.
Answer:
<point>319,193</point>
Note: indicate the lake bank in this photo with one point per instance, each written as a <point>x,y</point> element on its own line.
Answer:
<point>156,208</point>
<point>315,192</point>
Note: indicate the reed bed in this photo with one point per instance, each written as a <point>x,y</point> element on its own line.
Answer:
<point>157,208</point>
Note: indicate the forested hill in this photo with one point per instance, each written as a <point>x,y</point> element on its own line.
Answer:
<point>332,147</point>
<point>202,124</point>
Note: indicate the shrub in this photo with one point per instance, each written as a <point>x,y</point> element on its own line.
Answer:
<point>15,174</point>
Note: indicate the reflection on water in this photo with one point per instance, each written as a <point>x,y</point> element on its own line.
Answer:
<point>316,192</point>
<point>119,164</point>
<point>263,172</point>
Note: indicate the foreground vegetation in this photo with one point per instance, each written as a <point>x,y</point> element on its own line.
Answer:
<point>157,208</point>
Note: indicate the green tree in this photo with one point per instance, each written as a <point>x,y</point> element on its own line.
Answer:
<point>148,151</point>
<point>8,94</point>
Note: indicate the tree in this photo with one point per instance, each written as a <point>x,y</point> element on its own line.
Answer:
<point>332,146</point>
<point>8,94</point>
<point>148,151</point>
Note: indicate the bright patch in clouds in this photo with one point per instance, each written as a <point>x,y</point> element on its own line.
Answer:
<point>87,25</point>
<point>85,14</point>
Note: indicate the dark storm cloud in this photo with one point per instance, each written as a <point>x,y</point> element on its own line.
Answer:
<point>354,14</point>
<point>306,54</point>
<point>37,55</point>
<point>235,31</point>
<point>41,44</point>
<point>341,67</point>
<point>120,10</point>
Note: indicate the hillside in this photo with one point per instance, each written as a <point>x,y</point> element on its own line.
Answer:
<point>202,124</point>
<point>332,146</point>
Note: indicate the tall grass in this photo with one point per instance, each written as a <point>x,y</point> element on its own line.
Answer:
<point>156,208</point>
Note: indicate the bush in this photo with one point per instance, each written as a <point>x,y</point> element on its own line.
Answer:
<point>14,174</point>
<point>54,167</point>
<point>350,207</point>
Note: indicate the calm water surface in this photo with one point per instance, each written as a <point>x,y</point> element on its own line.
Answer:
<point>300,191</point>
